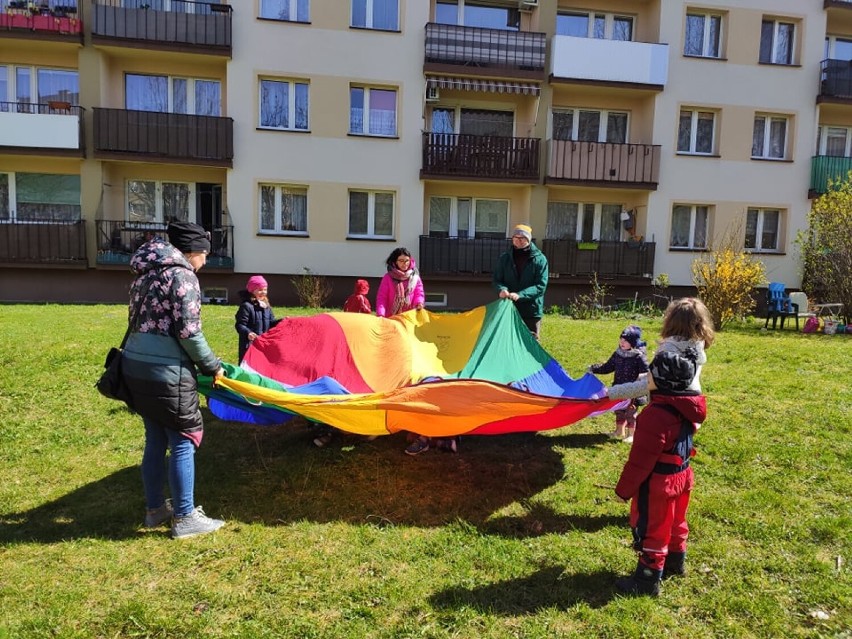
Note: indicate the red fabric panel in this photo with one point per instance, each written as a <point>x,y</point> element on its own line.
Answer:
<point>566,412</point>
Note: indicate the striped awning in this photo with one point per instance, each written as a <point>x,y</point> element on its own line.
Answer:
<point>491,86</point>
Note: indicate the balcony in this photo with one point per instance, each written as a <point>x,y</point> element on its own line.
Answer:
<point>614,63</point>
<point>837,4</point>
<point>604,164</point>
<point>173,25</point>
<point>479,51</point>
<point>52,128</point>
<point>163,137</point>
<point>44,241</point>
<point>609,260</point>
<point>460,255</point>
<point>825,169</point>
<point>118,241</point>
<point>835,81</point>
<point>480,157</point>
<point>45,20</point>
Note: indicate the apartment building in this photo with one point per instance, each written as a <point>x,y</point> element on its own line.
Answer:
<point>632,135</point>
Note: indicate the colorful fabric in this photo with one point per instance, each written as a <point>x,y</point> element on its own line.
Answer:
<point>439,375</point>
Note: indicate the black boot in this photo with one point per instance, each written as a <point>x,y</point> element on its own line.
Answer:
<point>675,565</point>
<point>644,581</point>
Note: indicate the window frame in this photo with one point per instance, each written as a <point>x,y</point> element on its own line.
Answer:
<point>823,136</point>
<point>695,117</point>
<point>776,24</point>
<point>766,143</point>
<point>582,224</point>
<point>13,205</point>
<point>761,213</point>
<point>292,84</point>
<point>159,202</point>
<point>10,70</point>
<point>470,232</point>
<point>609,18</point>
<point>706,44</point>
<point>603,123</point>
<point>369,17</point>
<point>170,91</point>
<point>365,121</point>
<point>278,204</point>
<point>693,227</point>
<point>371,215</point>
<point>293,9</point>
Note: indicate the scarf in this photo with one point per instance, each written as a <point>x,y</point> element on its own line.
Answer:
<point>520,257</point>
<point>404,282</point>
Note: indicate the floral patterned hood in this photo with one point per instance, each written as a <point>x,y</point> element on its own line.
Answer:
<point>165,298</point>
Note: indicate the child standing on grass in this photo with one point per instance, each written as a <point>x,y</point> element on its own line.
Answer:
<point>254,316</point>
<point>627,362</point>
<point>358,302</point>
<point>657,478</point>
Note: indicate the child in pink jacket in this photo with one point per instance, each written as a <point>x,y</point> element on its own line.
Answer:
<point>401,288</point>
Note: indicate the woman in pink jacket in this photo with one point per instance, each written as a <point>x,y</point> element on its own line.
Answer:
<point>401,288</point>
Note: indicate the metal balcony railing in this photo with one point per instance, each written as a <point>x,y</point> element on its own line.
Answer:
<point>474,47</point>
<point>825,169</point>
<point>460,255</point>
<point>609,260</point>
<point>44,19</point>
<point>43,241</point>
<point>198,139</point>
<point>118,241</point>
<point>836,79</point>
<point>604,163</point>
<point>175,24</point>
<point>480,156</point>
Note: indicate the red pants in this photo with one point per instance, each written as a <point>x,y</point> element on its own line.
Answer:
<point>658,516</point>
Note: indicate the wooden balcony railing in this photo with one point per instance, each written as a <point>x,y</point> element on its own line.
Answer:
<point>171,24</point>
<point>118,241</point>
<point>473,48</point>
<point>604,164</point>
<point>43,241</point>
<point>168,137</point>
<point>480,156</point>
<point>610,260</point>
<point>825,169</point>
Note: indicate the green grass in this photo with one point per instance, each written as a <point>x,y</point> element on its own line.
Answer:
<point>512,537</point>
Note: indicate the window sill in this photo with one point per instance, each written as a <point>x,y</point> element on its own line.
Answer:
<point>687,249</point>
<point>687,154</point>
<point>785,160</point>
<point>704,57</point>
<point>780,64</point>
<point>370,238</point>
<point>283,234</point>
<point>277,130</point>
<point>352,26</point>
<point>766,252</point>
<point>265,19</point>
<point>373,135</point>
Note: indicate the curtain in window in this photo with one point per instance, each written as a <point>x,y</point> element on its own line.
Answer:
<point>443,121</point>
<point>22,85</point>
<point>784,44</point>
<point>616,128</point>
<point>294,209</point>
<point>267,208</point>
<point>175,201</point>
<point>439,216</point>
<point>382,112</point>
<point>767,31</point>
<point>622,28</point>
<point>715,37</point>
<point>62,86</point>
<point>4,87</point>
<point>684,132</point>
<point>561,221</point>
<point>777,137</point>
<point>563,125</point>
<point>301,114</point>
<point>180,103</point>
<point>486,122</point>
<point>280,10</point>
<point>600,27</point>
<point>208,97</point>
<point>694,40</point>
<point>356,110</point>
<point>386,14</point>
<point>141,201</point>
<point>769,232</point>
<point>589,128</point>
<point>146,93</point>
<point>587,225</point>
<point>681,218</point>
<point>358,202</point>
<point>274,104</point>
<point>757,136</point>
<point>491,218</point>
<point>835,142</point>
<point>383,215</point>
<point>5,212</point>
<point>611,222</point>
<point>699,239</point>
<point>704,132</point>
<point>463,209</point>
<point>47,196</point>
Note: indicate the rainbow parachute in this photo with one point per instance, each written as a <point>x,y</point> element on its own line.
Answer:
<point>436,374</point>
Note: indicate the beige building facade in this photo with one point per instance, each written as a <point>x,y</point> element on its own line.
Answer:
<point>318,135</point>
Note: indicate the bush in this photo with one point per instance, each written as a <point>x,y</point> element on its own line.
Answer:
<point>590,305</point>
<point>313,290</point>
<point>726,278</point>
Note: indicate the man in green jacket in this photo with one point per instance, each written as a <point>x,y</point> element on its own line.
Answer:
<point>521,275</point>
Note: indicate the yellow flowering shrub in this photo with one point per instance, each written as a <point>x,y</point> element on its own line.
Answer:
<point>726,278</point>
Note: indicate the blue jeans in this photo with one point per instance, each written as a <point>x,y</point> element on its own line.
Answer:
<point>181,468</point>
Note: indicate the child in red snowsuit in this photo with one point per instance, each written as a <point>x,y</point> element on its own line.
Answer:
<point>358,302</point>
<point>657,477</point>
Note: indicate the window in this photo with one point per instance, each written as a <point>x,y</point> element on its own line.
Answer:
<point>837,48</point>
<point>696,132</point>
<point>167,94</point>
<point>472,13</point>
<point>777,41</point>
<point>834,141</point>
<point>157,201</point>
<point>468,217</point>
<point>372,111</point>
<point>769,140</point>
<point>598,25</point>
<point>289,10</point>
<point>689,226</point>
<point>283,209</point>
<point>703,35</point>
<point>376,14</point>
<point>473,121</point>
<point>371,214</point>
<point>29,85</point>
<point>588,125</point>
<point>39,197</point>
<point>283,105</point>
<point>761,232</point>
<point>584,222</point>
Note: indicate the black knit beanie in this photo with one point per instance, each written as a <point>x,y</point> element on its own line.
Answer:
<point>187,237</point>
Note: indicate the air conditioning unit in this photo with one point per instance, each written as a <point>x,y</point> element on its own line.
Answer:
<point>527,5</point>
<point>432,94</point>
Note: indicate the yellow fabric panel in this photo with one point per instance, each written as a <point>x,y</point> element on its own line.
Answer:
<point>454,336</point>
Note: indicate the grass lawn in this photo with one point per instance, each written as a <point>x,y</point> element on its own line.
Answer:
<point>516,536</point>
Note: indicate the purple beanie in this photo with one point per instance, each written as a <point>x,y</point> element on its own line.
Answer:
<point>633,335</point>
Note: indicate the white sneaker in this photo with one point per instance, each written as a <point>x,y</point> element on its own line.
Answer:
<point>158,516</point>
<point>195,523</point>
<point>628,439</point>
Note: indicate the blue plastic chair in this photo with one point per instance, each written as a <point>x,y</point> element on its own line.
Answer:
<point>778,304</point>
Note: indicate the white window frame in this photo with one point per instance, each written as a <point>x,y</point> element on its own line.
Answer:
<point>823,136</point>
<point>10,70</point>
<point>776,24</point>
<point>365,118</point>
<point>760,213</point>
<point>170,88</point>
<point>766,145</point>
<point>471,221</point>
<point>158,200</point>
<point>293,10</point>
<point>368,20</point>
<point>280,189</point>
<point>609,22</point>
<point>603,118</point>
<point>371,214</point>
<point>695,113</point>
<point>693,215</point>
<point>291,106</point>
<point>706,45</point>
<point>596,212</point>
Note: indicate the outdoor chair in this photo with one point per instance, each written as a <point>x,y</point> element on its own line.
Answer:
<point>800,302</point>
<point>779,305</point>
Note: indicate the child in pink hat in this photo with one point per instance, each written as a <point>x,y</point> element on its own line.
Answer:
<point>255,316</point>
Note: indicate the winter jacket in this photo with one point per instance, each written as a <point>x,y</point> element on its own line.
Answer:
<point>358,302</point>
<point>251,318</point>
<point>676,345</point>
<point>657,431</point>
<point>529,284</point>
<point>627,365</point>
<point>166,344</point>
<point>415,295</point>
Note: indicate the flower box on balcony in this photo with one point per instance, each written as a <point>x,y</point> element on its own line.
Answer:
<point>587,246</point>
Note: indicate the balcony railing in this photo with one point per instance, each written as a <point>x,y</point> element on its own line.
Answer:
<point>825,169</point>
<point>169,137</point>
<point>172,24</point>
<point>836,79</point>
<point>476,48</point>
<point>43,241</point>
<point>46,19</point>
<point>480,156</point>
<point>610,260</point>
<point>840,4</point>
<point>56,127</point>
<point>460,255</point>
<point>604,164</point>
<point>613,62</point>
<point>118,241</point>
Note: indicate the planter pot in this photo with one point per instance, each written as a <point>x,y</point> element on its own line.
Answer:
<point>587,246</point>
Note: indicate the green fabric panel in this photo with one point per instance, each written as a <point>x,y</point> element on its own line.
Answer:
<point>47,188</point>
